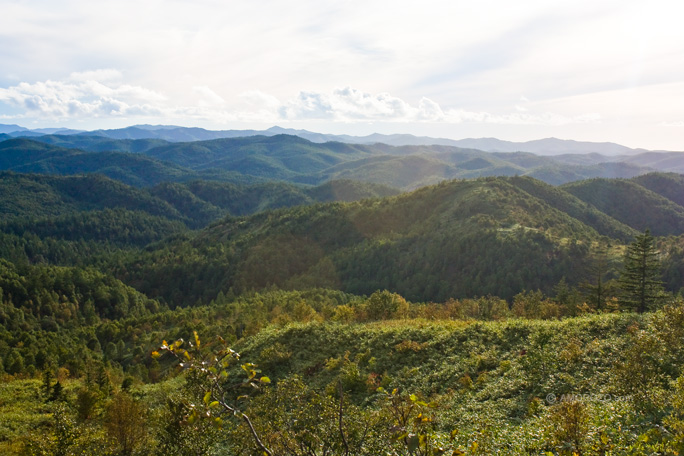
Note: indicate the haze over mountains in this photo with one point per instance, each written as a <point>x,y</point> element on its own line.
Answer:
<point>148,155</point>
<point>171,133</point>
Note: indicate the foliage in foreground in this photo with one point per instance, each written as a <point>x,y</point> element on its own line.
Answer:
<point>590,385</point>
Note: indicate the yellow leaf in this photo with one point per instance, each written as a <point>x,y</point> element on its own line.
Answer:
<point>155,354</point>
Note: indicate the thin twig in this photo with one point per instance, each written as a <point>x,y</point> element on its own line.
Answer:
<point>344,437</point>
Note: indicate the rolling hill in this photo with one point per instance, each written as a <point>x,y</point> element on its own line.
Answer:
<point>254,159</point>
<point>195,204</point>
<point>453,239</point>
<point>28,156</point>
<point>172,133</point>
<point>631,204</point>
<point>669,185</point>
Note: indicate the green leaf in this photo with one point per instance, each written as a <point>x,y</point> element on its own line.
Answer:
<point>413,443</point>
<point>207,397</point>
<point>192,417</point>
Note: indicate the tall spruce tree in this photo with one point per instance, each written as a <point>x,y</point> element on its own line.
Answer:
<point>639,281</point>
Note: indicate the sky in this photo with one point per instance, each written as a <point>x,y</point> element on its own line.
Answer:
<point>590,70</point>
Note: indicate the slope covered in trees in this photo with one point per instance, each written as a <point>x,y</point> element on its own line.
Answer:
<point>669,185</point>
<point>566,202</point>
<point>631,204</point>
<point>254,159</point>
<point>196,203</point>
<point>27,156</point>
<point>454,239</point>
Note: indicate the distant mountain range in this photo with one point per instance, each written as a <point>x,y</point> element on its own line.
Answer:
<point>171,133</point>
<point>145,162</point>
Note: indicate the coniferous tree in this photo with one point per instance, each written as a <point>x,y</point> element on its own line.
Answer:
<point>47,382</point>
<point>639,281</point>
<point>596,287</point>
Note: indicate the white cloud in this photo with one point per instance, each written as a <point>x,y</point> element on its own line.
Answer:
<point>351,105</point>
<point>429,110</point>
<point>99,94</point>
<point>81,95</point>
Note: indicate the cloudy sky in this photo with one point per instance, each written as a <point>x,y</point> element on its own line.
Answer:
<point>597,70</point>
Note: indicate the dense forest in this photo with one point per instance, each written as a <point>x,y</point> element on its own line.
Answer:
<point>488,312</point>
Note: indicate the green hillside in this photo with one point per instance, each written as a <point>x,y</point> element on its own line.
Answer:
<point>32,195</point>
<point>669,185</point>
<point>407,172</point>
<point>455,239</point>
<point>631,204</point>
<point>278,157</point>
<point>196,203</point>
<point>257,159</point>
<point>28,156</point>
<point>90,143</point>
<point>576,208</point>
<point>120,227</point>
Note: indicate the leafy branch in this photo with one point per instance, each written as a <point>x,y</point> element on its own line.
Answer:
<point>213,365</point>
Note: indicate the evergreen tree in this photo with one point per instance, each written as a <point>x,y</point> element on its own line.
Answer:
<point>640,282</point>
<point>596,288</point>
<point>47,382</point>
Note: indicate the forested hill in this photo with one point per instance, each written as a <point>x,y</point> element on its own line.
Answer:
<point>632,204</point>
<point>669,185</point>
<point>254,159</point>
<point>455,239</point>
<point>68,205</point>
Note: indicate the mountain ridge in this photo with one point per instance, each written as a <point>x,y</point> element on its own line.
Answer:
<point>173,133</point>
